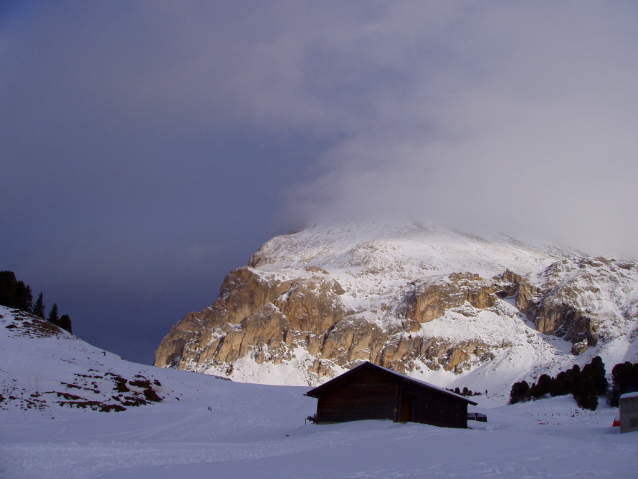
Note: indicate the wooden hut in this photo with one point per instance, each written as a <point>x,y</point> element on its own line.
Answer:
<point>373,392</point>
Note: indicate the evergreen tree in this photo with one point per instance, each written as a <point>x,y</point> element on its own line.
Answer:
<point>38,307</point>
<point>53,317</point>
<point>542,387</point>
<point>624,377</point>
<point>585,385</point>
<point>561,385</point>
<point>520,392</point>
<point>573,376</point>
<point>7,288</point>
<point>65,323</point>
<point>599,375</point>
<point>585,394</point>
<point>23,297</point>
<point>16,294</point>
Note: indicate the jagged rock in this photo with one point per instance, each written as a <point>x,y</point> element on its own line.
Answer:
<point>430,299</point>
<point>267,318</point>
<point>573,299</point>
<point>257,315</point>
<point>579,348</point>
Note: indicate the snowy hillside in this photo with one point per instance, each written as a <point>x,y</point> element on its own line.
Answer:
<point>454,308</point>
<point>210,427</point>
<point>47,368</point>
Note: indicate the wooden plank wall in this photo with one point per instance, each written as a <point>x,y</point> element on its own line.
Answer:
<point>432,407</point>
<point>369,395</point>
<point>372,394</point>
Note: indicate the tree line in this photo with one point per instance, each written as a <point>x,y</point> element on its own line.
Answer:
<point>465,392</point>
<point>585,385</point>
<point>18,295</point>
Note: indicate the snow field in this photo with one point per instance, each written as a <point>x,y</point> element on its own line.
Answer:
<point>237,439</point>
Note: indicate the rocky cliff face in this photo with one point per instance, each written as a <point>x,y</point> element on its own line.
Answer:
<point>584,301</point>
<point>257,315</point>
<point>421,300</point>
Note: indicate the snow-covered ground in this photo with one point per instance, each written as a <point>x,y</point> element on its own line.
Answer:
<point>214,428</point>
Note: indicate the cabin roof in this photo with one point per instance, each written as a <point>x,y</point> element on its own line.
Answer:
<point>316,392</point>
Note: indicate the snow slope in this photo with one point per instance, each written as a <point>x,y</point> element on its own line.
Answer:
<point>371,259</point>
<point>209,427</point>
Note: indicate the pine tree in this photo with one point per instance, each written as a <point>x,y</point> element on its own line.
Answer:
<point>520,392</point>
<point>542,387</point>
<point>624,378</point>
<point>16,294</point>
<point>53,317</point>
<point>7,288</point>
<point>23,297</point>
<point>599,375</point>
<point>561,385</point>
<point>585,394</point>
<point>38,307</point>
<point>65,323</point>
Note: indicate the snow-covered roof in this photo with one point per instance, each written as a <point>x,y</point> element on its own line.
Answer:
<point>629,395</point>
<point>400,376</point>
<point>423,383</point>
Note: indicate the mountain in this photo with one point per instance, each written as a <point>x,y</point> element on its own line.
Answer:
<point>448,307</point>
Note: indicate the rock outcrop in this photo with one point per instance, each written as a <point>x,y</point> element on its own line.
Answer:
<point>582,301</point>
<point>430,299</point>
<point>322,306</point>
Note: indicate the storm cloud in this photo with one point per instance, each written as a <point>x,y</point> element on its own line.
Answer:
<point>150,147</point>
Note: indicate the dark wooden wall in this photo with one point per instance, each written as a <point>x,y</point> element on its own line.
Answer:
<point>368,395</point>
<point>372,394</point>
<point>432,407</point>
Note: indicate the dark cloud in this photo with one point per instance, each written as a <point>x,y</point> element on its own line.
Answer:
<point>150,147</point>
<point>525,126</point>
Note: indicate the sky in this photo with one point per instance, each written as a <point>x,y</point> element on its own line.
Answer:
<point>149,147</point>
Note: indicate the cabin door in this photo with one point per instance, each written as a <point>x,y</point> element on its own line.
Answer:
<point>408,404</point>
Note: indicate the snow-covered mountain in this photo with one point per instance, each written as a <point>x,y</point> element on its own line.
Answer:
<point>449,307</point>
